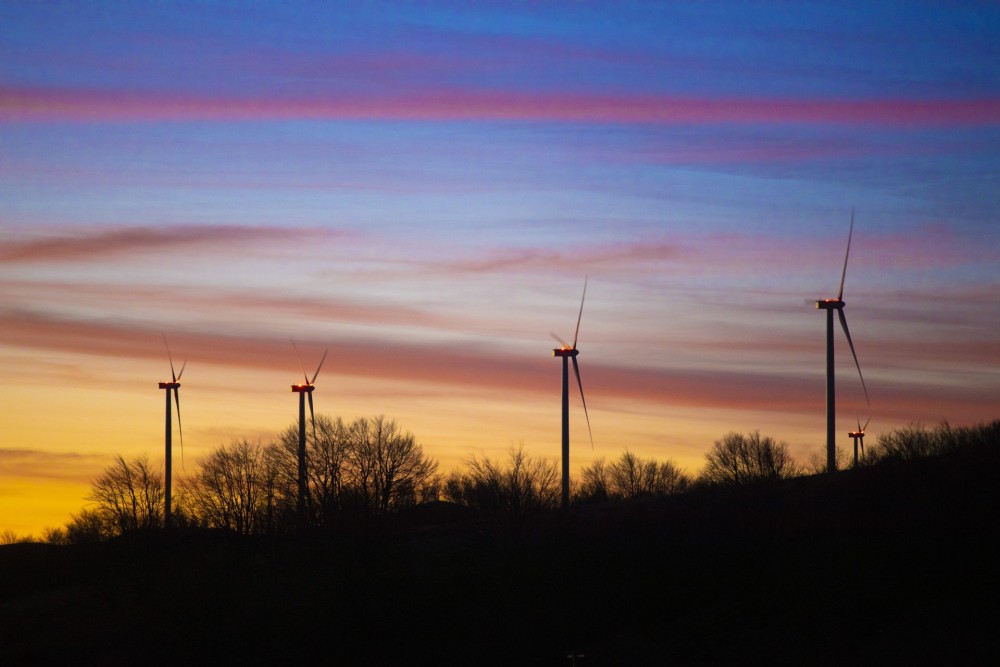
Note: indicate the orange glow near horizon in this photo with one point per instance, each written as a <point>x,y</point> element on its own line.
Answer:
<point>452,423</point>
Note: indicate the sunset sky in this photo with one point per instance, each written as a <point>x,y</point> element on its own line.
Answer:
<point>421,187</point>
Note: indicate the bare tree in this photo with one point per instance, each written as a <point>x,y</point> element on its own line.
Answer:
<point>522,487</point>
<point>386,469</point>
<point>743,459</point>
<point>129,495</point>
<point>817,463</point>
<point>10,537</point>
<point>85,527</point>
<point>634,477</point>
<point>596,485</point>
<point>915,441</point>
<point>631,477</point>
<point>234,488</point>
<point>325,460</point>
<point>56,535</point>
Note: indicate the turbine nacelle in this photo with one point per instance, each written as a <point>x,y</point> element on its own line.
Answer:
<point>169,385</point>
<point>302,388</point>
<point>830,304</point>
<point>565,352</point>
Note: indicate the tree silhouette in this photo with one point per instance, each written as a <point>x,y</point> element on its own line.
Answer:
<point>83,528</point>
<point>326,454</point>
<point>129,495</point>
<point>915,441</point>
<point>510,493</point>
<point>817,462</point>
<point>631,477</point>
<point>385,468</point>
<point>744,459</point>
<point>10,537</point>
<point>596,484</point>
<point>234,489</point>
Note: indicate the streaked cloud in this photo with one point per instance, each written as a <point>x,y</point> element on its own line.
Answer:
<point>223,303</point>
<point>483,367</point>
<point>48,465</point>
<point>27,104</point>
<point>620,256</point>
<point>75,244</point>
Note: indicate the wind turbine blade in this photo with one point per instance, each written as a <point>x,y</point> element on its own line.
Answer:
<point>299,357</point>
<point>840,294</point>
<point>316,374</point>
<point>859,424</point>
<point>183,366</point>
<point>580,316</point>
<point>561,341</point>
<point>180,431</point>
<point>847,332</point>
<point>169,357</point>
<point>576,369</point>
<point>312,415</point>
<point>866,425</point>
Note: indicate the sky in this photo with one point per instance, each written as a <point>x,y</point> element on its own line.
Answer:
<point>422,188</point>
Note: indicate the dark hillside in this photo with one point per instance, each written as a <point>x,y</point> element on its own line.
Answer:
<point>893,563</point>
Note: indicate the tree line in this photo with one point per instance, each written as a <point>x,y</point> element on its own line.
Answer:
<point>363,469</point>
<point>370,468</point>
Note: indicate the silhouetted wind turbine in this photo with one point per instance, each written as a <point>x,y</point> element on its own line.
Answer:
<point>830,305</point>
<point>568,352</point>
<point>174,385</point>
<point>303,390</point>
<point>859,436</point>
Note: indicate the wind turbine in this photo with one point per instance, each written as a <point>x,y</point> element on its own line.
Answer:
<point>303,390</point>
<point>830,305</point>
<point>174,385</point>
<point>859,436</point>
<point>568,352</point>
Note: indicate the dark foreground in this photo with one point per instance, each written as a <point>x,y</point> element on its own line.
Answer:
<point>886,565</point>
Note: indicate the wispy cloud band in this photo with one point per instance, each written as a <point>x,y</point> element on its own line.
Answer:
<point>26,104</point>
<point>485,368</point>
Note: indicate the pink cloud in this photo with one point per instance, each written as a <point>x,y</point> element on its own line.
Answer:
<point>875,352</point>
<point>102,243</point>
<point>464,367</point>
<point>258,304</point>
<point>35,104</point>
<point>45,465</point>
<point>620,255</point>
<point>926,245</point>
<point>733,253</point>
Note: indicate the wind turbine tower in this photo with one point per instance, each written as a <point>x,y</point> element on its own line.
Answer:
<point>171,386</point>
<point>859,437</point>
<point>303,390</point>
<point>568,352</point>
<point>831,305</point>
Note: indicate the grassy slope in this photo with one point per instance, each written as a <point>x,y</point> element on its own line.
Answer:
<point>887,564</point>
